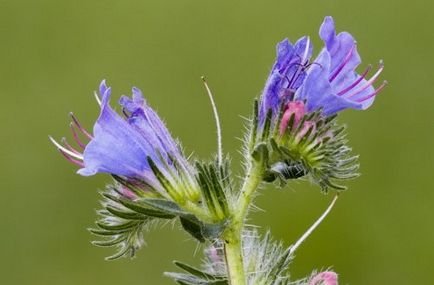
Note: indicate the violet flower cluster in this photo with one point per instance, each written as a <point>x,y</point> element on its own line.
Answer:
<point>293,134</point>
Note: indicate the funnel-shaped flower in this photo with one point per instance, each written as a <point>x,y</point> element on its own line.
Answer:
<point>137,146</point>
<point>332,84</point>
<point>287,75</point>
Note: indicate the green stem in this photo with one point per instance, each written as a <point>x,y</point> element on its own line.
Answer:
<point>234,259</point>
<point>232,237</point>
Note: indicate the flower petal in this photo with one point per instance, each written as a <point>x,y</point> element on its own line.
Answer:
<point>318,92</point>
<point>343,52</point>
<point>116,148</point>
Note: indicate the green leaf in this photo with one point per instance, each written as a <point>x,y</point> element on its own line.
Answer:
<point>267,125</point>
<point>125,215</point>
<point>110,242</point>
<point>213,231</point>
<point>196,272</point>
<point>117,227</point>
<point>187,279</point>
<point>161,177</point>
<point>193,228</point>
<point>107,233</point>
<point>165,206</point>
<point>140,206</point>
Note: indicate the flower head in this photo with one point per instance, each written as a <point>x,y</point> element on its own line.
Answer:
<point>329,82</point>
<point>296,113</point>
<point>137,147</point>
<point>332,84</point>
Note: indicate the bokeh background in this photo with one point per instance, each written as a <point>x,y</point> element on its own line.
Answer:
<point>54,53</point>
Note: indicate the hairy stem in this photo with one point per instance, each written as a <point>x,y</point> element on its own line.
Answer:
<point>232,237</point>
<point>234,258</point>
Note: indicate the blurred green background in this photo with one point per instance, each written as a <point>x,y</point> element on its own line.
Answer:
<point>53,54</point>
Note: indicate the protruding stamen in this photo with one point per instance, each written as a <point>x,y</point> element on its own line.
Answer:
<point>378,90</point>
<point>344,62</point>
<point>77,123</point>
<point>65,150</point>
<point>301,66</point>
<point>76,138</point>
<point>98,100</point>
<point>74,161</point>
<point>370,81</point>
<point>296,74</point>
<point>355,83</point>
<point>65,142</point>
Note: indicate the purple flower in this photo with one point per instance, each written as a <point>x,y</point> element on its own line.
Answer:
<point>329,82</point>
<point>125,146</point>
<point>287,75</point>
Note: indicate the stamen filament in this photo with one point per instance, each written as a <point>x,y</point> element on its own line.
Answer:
<point>344,62</point>
<point>355,83</point>
<point>76,138</point>
<point>76,162</point>
<point>65,142</point>
<point>77,123</point>
<point>378,90</point>
<point>62,148</point>
<point>370,81</point>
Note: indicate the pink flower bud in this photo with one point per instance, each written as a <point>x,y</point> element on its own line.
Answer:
<point>325,278</point>
<point>293,107</point>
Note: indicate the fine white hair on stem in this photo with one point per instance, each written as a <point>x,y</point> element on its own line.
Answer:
<point>314,226</point>
<point>98,100</point>
<point>217,122</point>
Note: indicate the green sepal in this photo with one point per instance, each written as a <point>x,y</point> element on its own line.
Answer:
<point>125,215</point>
<point>162,179</point>
<point>211,178</point>
<point>140,206</point>
<point>165,206</point>
<point>267,125</point>
<point>260,153</point>
<point>117,227</point>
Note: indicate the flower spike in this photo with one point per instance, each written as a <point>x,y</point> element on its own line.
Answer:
<point>293,134</point>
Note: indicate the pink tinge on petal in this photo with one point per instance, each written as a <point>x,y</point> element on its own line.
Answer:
<point>294,107</point>
<point>325,278</point>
